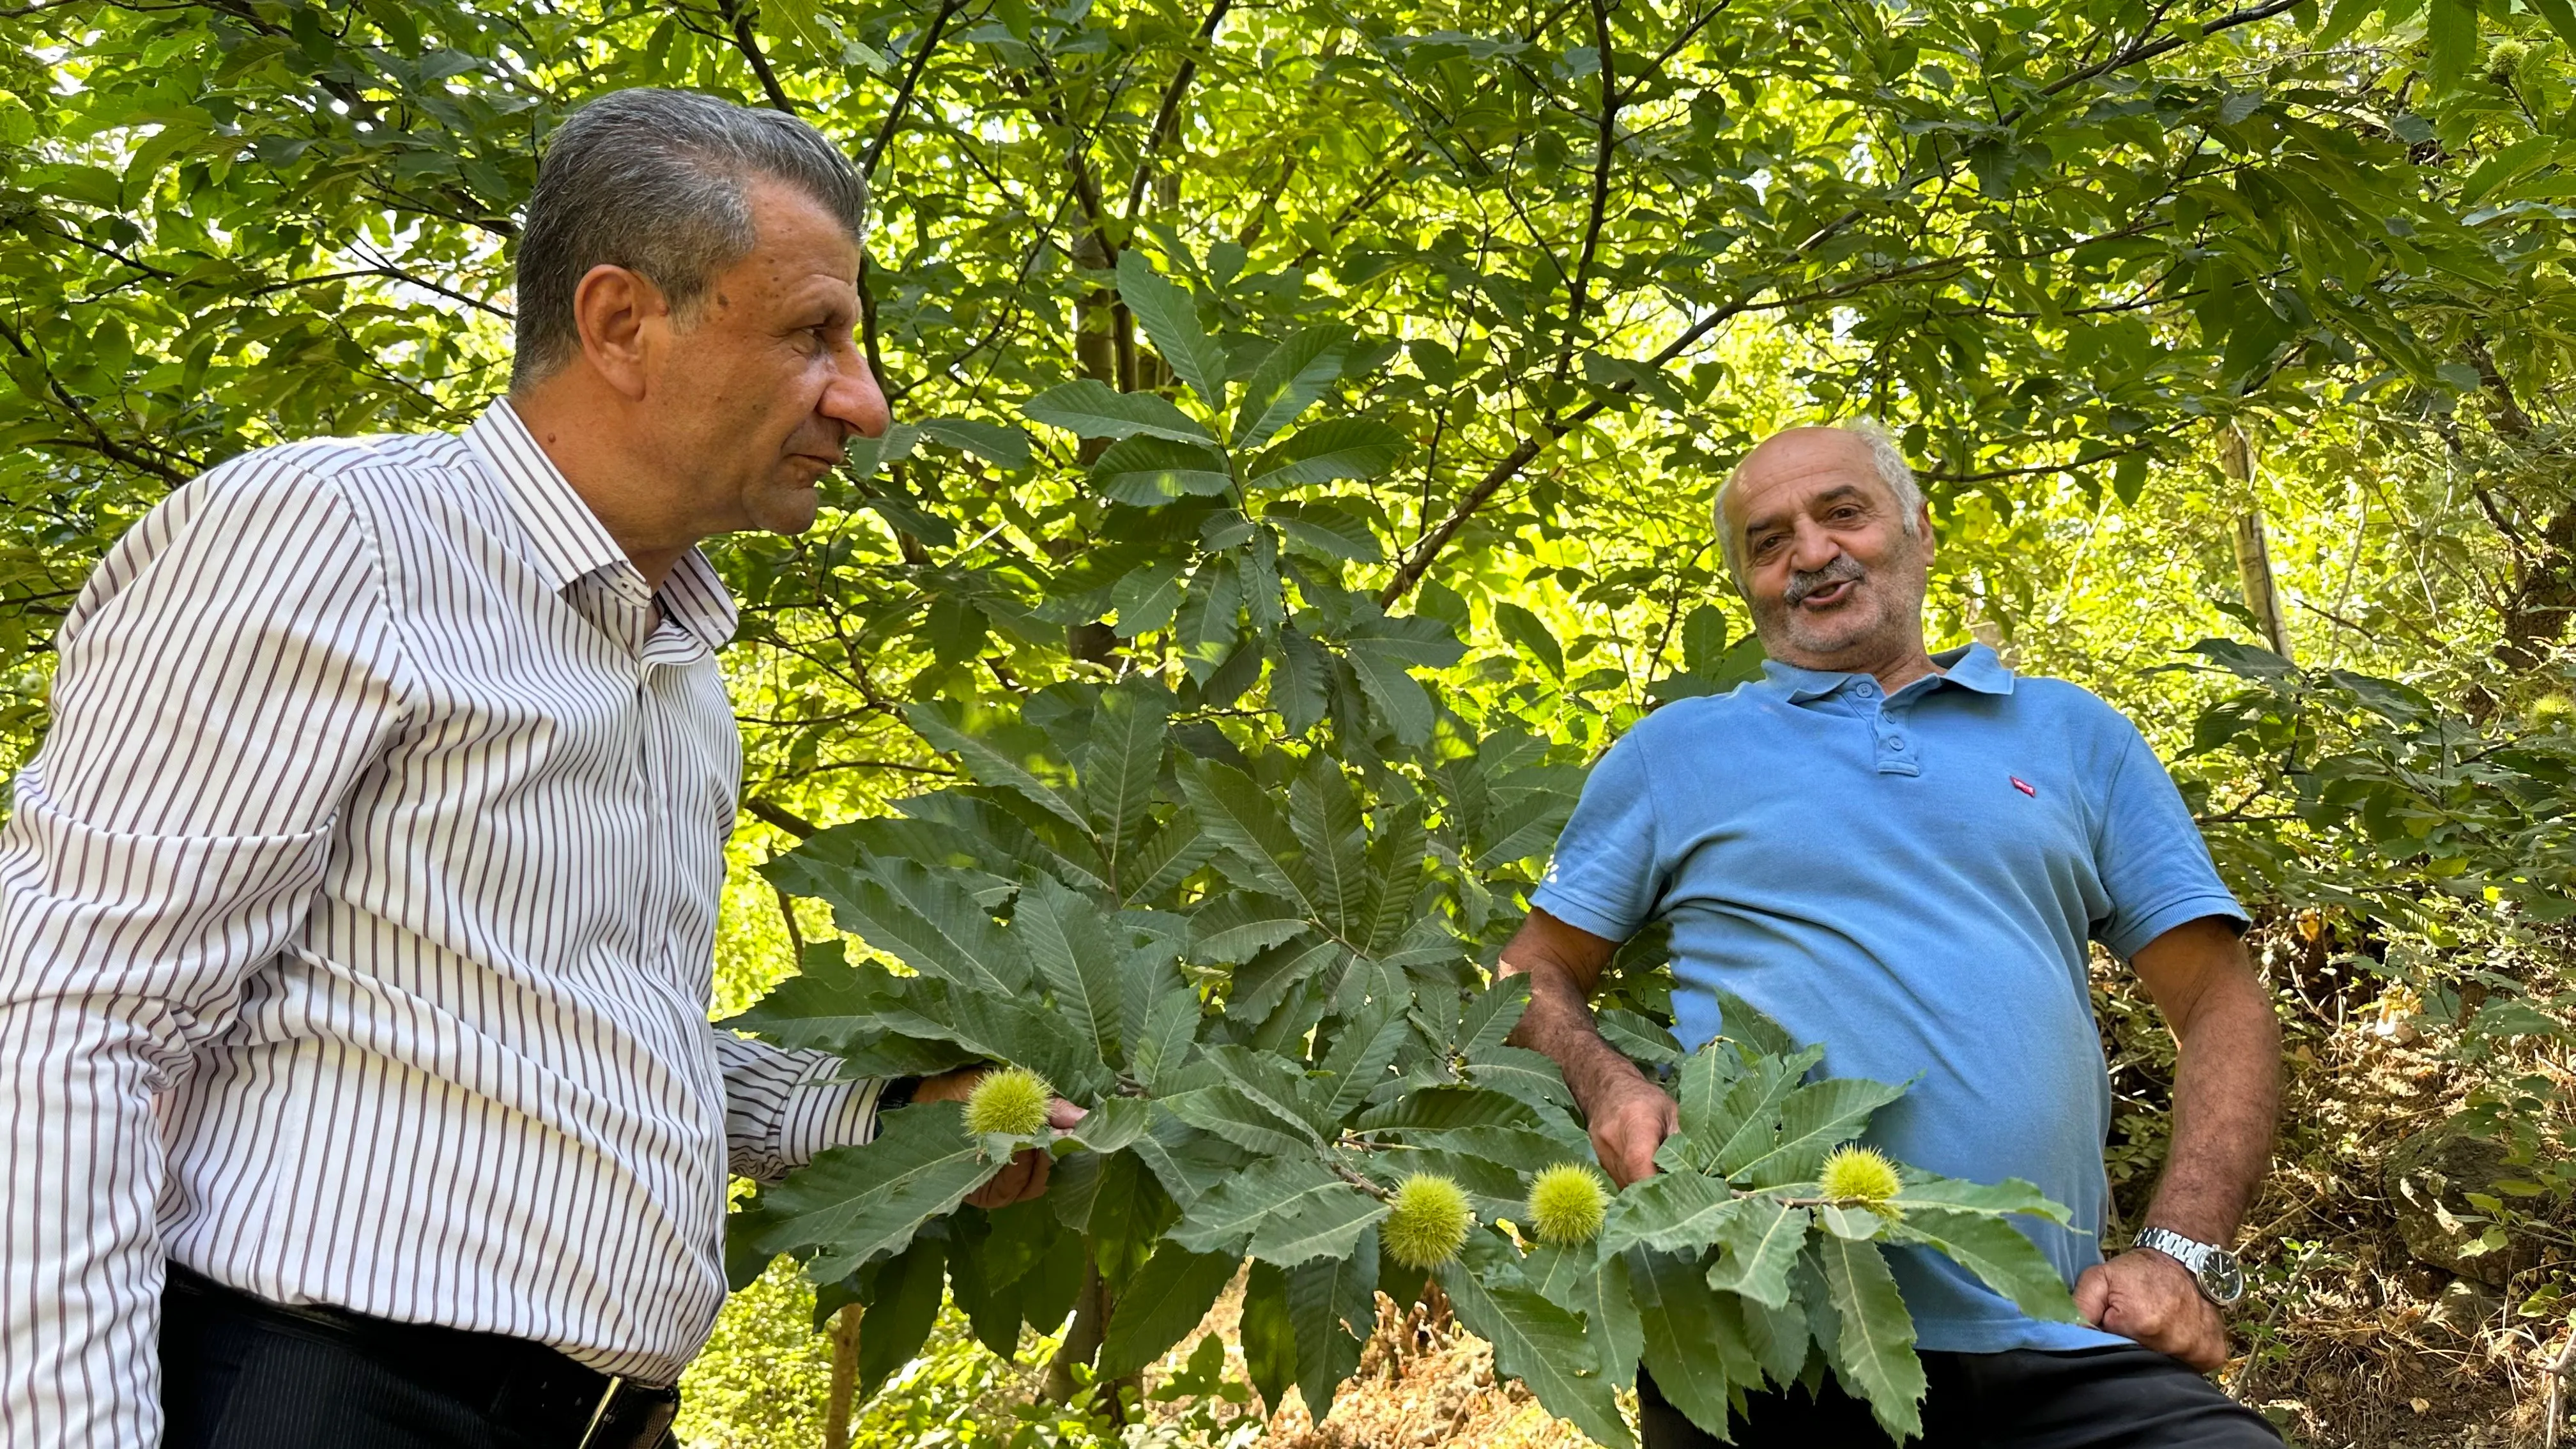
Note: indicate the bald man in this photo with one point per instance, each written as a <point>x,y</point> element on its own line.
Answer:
<point>1905,856</point>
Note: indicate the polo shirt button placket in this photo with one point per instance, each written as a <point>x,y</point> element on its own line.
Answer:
<point>1893,757</point>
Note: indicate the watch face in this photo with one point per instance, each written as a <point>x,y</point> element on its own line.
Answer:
<point>2220,1276</point>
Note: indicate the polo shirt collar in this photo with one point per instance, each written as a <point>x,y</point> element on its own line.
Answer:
<point>568,542</point>
<point>1974,667</point>
<point>1970,666</point>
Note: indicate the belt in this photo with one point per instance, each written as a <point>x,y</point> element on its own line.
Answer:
<point>533,1390</point>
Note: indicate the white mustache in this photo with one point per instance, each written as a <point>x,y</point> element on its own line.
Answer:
<point>1841,570</point>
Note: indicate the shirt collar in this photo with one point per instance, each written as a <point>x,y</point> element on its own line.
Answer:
<point>698,601</point>
<point>1970,666</point>
<point>569,541</point>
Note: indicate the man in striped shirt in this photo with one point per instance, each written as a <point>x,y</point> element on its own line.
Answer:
<point>357,916</point>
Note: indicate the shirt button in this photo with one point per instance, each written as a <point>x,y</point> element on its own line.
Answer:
<point>1896,742</point>
<point>1865,689</point>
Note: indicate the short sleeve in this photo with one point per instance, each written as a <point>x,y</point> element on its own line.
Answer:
<point>2153,864</point>
<point>1606,874</point>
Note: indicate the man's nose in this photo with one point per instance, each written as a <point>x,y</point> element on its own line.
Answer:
<point>1812,548</point>
<point>854,400</point>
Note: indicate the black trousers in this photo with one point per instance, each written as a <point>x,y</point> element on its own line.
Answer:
<point>2124,1397</point>
<point>237,1373</point>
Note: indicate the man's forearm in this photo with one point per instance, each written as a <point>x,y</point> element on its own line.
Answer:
<point>1559,1024</point>
<point>2226,1100</point>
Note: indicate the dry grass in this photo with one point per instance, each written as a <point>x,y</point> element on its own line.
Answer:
<point>2362,1347</point>
<point>1422,1381</point>
<point>1422,1384</point>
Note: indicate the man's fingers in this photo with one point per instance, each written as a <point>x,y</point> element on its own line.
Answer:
<point>2145,1300</point>
<point>1009,1185</point>
<point>1039,1162</point>
<point>2204,1337</point>
<point>2093,1296</point>
<point>1063,1116</point>
<point>1627,1149</point>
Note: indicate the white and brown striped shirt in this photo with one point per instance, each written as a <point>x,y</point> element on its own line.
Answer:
<point>357,925</point>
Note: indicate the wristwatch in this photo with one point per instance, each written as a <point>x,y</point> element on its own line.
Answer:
<point>2221,1278</point>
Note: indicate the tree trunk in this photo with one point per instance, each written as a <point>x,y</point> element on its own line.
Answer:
<point>2253,551</point>
<point>1082,1343</point>
<point>845,1377</point>
<point>2536,615</point>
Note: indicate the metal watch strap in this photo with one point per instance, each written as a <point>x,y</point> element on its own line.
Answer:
<point>2197,1259</point>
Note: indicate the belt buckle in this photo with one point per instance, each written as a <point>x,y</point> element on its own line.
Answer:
<point>599,1411</point>
<point>603,1415</point>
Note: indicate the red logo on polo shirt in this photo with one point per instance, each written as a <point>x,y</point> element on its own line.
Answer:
<point>2023,786</point>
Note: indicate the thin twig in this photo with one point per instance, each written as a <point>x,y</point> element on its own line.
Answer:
<point>2558,1371</point>
<point>1605,147</point>
<point>795,933</point>
<point>780,816</point>
<point>911,81</point>
<point>389,273</point>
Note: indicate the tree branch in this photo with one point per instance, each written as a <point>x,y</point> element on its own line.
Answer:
<point>780,816</point>
<point>1417,559</point>
<point>739,20</point>
<point>911,82</point>
<point>1167,115</point>
<point>1605,146</point>
<point>2069,466</point>
<point>100,441</point>
<point>2146,49</point>
<point>2502,410</point>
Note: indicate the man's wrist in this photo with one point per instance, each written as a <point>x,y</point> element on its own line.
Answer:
<point>2212,1268</point>
<point>1601,1073</point>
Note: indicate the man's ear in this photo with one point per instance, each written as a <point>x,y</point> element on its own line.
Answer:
<point>1923,531</point>
<point>614,308</point>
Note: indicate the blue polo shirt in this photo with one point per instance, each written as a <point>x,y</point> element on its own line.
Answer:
<point>1910,879</point>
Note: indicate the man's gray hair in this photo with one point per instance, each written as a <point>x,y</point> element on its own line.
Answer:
<point>1885,458</point>
<point>658,182</point>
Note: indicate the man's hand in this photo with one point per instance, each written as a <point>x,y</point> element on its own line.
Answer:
<point>1628,1124</point>
<point>2144,1295</point>
<point>1025,1175</point>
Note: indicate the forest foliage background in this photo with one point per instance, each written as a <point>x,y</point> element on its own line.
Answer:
<point>2202,323</point>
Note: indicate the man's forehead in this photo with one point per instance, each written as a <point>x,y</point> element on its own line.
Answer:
<point>1796,469</point>
<point>800,237</point>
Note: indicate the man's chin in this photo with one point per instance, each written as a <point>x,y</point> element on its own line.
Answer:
<point>1793,641</point>
<point>787,510</point>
